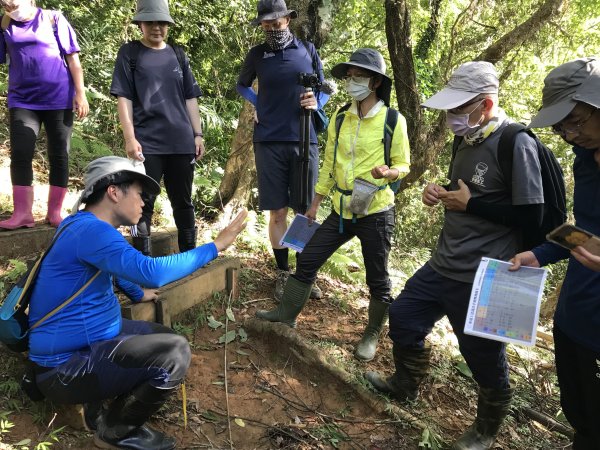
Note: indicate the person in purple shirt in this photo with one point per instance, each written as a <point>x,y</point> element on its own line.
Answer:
<point>45,86</point>
<point>86,353</point>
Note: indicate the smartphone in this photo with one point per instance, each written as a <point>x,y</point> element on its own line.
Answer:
<point>570,236</point>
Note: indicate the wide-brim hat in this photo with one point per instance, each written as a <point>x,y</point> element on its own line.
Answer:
<point>372,60</point>
<point>271,10</point>
<point>466,82</point>
<point>98,174</point>
<point>152,11</point>
<point>565,86</point>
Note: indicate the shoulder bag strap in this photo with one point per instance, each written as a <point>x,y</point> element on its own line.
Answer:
<point>36,267</point>
<point>66,302</point>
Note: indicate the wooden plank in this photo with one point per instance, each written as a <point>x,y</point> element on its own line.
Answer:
<point>183,294</point>
<point>163,315</point>
<point>139,311</point>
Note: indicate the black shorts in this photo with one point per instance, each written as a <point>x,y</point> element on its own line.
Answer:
<point>278,170</point>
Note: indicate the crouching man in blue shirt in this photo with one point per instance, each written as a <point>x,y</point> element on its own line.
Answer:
<point>86,353</point>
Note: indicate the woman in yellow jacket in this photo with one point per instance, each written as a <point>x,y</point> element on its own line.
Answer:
<point>363,201</point>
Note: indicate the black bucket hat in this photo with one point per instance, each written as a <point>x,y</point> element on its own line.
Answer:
<point>372,60</point>
<point>271,10</point>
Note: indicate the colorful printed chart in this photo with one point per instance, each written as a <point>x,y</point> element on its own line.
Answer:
<point>505,306</point>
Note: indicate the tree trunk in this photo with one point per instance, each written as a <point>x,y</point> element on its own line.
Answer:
<point>426,144</point>
<point>240,171</point>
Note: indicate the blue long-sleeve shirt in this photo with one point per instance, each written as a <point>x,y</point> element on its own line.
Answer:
<point>86,246</point>
<point>578,310</point>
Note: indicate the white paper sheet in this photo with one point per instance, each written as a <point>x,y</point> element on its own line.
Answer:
<point>505,306</point>
<point>298,233</point>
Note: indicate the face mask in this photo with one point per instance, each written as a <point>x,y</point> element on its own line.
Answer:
<point>358,87</point>
<point>22,14</point>
<point>278,39</point>
<point>459,123</point>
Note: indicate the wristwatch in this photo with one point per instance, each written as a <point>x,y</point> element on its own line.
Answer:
<point>198,134</point>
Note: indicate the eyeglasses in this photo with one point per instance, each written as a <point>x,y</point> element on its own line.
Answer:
<point>459,109</point>
<point>575,128</point>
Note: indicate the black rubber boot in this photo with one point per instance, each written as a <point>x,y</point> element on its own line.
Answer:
<point>412,365</point>
<point>295,296</point>
<point>186,238</point>
<point>123,425</point>
<point>493,406</point>
<point>91,414</point>
<point>378,314</point>
<point>143,244</point>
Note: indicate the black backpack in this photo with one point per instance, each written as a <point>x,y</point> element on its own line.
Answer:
<point>555,201</point>
<point>391,119</point>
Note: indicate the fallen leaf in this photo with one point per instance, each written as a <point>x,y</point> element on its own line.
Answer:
<point>214,324</point>
<point>240,422</point>
<point>243,335</point>
<point>227,337</point>
<point>230,315</point>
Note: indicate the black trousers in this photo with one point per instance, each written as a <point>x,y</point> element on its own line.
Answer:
<point>578,370</point>
<point>178,176</point>
<point>426,298</point>
<point>143,353</point>
<point>375,235</point>
<point>25,125</point>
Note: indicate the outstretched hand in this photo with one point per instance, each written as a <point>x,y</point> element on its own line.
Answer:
<point>228,234</point>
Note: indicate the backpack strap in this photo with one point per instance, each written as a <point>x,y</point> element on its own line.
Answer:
<point>455,144</point>
<point>506,148</point>
<point>133,52</point>
<point>339,119</point>
<point>391,120</point>
<point>180,54</point>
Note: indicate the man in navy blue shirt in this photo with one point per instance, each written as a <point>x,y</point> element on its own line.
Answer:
<point>279,102</point>
<point>571,99</point>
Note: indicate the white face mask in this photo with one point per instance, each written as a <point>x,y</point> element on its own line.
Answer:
<point>23,13</point>
<point>358,87</point>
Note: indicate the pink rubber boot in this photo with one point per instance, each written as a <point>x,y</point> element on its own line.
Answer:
<point>22,203</point>
<point>56,195</point>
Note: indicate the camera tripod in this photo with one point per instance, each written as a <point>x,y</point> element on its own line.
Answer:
<point>304,146</point>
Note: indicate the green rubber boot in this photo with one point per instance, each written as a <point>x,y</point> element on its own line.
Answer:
<point>378,314</point>
<point>295,296</point>
<point>412,365</point>
<point>493,406</point>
